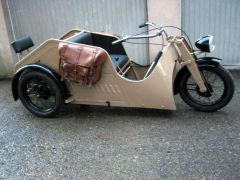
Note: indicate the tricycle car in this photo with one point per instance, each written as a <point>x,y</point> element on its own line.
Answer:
<point>61,70</point>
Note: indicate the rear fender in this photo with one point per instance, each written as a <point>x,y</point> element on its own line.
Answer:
<point>209,61</point>
<point>36,67</point>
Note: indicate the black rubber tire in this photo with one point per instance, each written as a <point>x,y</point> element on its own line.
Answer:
<point>22,92</point>
<point>228,92</point>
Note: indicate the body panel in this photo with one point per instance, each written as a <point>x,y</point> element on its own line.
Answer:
<point>156,91</point>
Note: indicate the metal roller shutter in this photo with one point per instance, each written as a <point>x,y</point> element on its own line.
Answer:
<point>44,19</point>
<point>219,18</point>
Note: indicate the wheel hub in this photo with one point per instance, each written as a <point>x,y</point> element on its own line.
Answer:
<point>208,93</point>
<point>40,91</point>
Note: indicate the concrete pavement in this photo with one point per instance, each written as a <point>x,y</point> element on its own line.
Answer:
<point>90,142</point>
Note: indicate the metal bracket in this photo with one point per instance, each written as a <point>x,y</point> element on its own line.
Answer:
<point>70,99</point>
<point>187,62</point>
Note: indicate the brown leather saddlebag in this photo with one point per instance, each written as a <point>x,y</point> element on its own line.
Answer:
<point>81,64</point>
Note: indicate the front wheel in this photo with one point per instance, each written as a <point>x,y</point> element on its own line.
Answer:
<point>219,83</point>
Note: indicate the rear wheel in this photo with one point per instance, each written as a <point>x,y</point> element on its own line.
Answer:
<point>40,93</point>
<point>219,83</point>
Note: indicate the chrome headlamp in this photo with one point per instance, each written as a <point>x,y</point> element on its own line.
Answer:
<point>205,44</point>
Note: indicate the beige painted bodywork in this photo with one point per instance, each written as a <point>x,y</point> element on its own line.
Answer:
<point>156,91</point>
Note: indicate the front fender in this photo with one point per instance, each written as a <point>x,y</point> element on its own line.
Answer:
<point>35,67</point>
<point>209,61</point>
<point>212,61</point>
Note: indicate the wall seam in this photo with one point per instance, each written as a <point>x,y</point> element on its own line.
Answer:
<point>11,22</point>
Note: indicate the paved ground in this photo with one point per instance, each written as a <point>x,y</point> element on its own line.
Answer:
<point>119,143</point>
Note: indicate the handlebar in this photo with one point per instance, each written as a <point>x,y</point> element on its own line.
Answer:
<point>118,41</point>
<point>161,30</point>
<point>142,25</point>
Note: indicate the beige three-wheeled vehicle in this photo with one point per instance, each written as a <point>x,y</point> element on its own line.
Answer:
<point>201,82</point>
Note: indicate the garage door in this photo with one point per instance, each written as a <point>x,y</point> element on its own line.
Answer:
<point>219,18</point>
<point>44,19</point>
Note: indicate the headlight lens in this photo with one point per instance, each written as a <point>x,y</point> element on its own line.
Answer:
<point>205,44</point>
<point>211,45</point>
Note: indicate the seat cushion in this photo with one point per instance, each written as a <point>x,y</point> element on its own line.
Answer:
<point>83,38</point>
<point>86,38</point>
<point>119,60</point>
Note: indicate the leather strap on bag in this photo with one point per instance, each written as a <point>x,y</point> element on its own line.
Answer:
<point>61,60</point>
<point>79,55</point>
<point>91,72</point>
